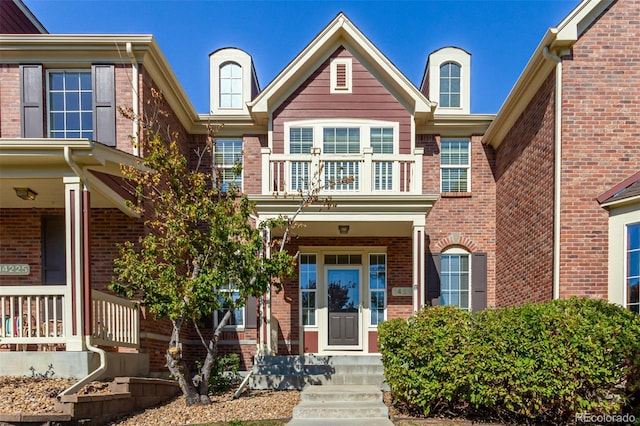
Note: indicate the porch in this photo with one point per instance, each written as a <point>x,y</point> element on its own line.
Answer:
<point>42,330</point>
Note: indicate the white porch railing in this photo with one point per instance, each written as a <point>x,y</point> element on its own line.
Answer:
<point>42,315</point>
<point>115,321</point>
<point>365,173</point>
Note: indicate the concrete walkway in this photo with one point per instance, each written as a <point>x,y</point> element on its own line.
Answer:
<point>341,405</point>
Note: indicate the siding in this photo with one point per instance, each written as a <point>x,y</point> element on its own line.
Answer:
<point>369,100</point>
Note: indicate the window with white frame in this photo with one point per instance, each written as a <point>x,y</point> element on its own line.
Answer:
<point>308,289</point>
<point>381,139</point>
<point>228,163</point>
<point>450,85</point>
<point>341,175</point>
<point>455,164</point>
<point>230,85</point>
<point>377,288</point>
<point>70,104</point>
<point>228,296</point>
<point>632,275</point>
<point>300,142</point>
<point>455,273</point>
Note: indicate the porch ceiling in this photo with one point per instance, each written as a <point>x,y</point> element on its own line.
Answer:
<point>42,165</point>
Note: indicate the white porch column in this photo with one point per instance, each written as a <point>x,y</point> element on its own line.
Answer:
<point>267,300</point>
<point>74,296</point>
<point>418,265</point>
<point>266,170</point>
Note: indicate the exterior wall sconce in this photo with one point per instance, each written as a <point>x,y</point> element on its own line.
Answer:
<point>344,229</point>
<point>26,193</point>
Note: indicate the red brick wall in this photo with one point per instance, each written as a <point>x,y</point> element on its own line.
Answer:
<point>600,141</point>
<point>9,101</point>
<point>462,219</point>
<point>524,204</point>
<point>252,166</point>
<point>285,306</point>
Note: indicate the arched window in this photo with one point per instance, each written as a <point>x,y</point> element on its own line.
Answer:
<point>455,278</point>
<point>230,85</point>
<point>450,85</point>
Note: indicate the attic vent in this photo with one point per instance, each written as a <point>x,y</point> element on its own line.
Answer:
<point>341,75</point>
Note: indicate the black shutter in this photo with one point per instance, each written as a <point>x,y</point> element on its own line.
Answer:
<point>250,312</point>
<point>31,101</point>
<point>479,282</point>
<point>104,104</point>
<point>433,278</point>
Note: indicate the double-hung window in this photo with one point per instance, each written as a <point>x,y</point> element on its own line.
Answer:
<point>382,143</point>
<point>455,165</point>
<point>230,85</point>
<point>228,163</point>
<point>454,280</point>
<point>308,290</point>
<point>228,296</point>
<point>632,276</point>
<point>377,287</point>
<point>450,85</point>
<point>341,175</point>
<point>300,142</point>
<point>70,104</point>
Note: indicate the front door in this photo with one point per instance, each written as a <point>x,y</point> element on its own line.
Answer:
<point>343,299</point>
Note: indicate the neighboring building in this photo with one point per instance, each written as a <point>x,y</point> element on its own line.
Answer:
<point>567,133</point>
<point>433,204</point>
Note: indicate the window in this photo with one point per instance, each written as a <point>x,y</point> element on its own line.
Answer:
<point>454,279</point>
<point>382,143</point>
<point>308,275</point>
<point>455,165</point>
<point>450,85</point>
<point>300,140</point>
<point>341,175</point>
<point>341,75</point>
<point>228,296</point>
<point>633,267</point>
<point>377,287</point>
<point>341,140</point>
<point>230,85</point>
<point>228,159</point>
<point>382,140</point>
<point>70,102</point>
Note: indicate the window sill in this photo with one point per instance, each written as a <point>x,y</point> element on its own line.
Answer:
<point>456,194</point>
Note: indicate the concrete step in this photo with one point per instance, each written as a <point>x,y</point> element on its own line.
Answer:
<point>341,393</point>
<point>340,410</point>
<point>340,422</point>
<point>319,369</point>
<point>299,381</point>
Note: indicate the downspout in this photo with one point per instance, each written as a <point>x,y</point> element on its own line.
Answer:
<point>135,76</point>
<point>87,288</point>
<point>557,172</point>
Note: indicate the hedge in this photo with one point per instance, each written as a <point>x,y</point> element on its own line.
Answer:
<point>542,362</point>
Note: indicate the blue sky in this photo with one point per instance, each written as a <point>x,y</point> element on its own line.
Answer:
<point>500,35</point>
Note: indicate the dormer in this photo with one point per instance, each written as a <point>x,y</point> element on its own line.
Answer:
<point>233,82</point>
<point>447,80</point>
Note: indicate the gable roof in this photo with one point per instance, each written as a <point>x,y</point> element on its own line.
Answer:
<point>340,31</point>
<point>626,191</point>
<point>16,18</point>
<point>556,40</point>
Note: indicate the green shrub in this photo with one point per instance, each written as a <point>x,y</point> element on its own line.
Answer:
<point>224,373</point>
<point>543,362</point>
<point>422,357</point>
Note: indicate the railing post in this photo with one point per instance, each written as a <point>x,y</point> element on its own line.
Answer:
<point>266,170</point>
<point>314,170</point>
<point>416,176</point>
<point>366,174</point>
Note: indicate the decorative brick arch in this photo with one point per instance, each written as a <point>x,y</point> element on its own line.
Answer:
<point>455,239</point>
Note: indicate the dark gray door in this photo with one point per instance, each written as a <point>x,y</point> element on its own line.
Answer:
<point>343,291</point>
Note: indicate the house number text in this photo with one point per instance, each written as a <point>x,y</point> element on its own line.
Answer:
<point>14,269</point>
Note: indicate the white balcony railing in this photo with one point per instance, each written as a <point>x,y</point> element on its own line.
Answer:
<point>366,173</point>
<point>42,315</point>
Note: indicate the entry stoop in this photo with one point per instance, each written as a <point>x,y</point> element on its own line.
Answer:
<point>341,405</point>
<point>300,371</point>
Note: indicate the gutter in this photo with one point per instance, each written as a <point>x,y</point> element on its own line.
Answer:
<point>557,172</point>
<point>93,375</point>
<point>135,81</point>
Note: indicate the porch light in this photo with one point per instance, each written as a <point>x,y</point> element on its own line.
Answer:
<point>344,229</point>
<point>26,193</point>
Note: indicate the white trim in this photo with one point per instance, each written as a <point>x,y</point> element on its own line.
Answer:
<point>463,59</point>
<point>619,219</point>
<point>457,166</point>
<point>334,75</point>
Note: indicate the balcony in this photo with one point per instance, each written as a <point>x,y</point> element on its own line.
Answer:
<point>357,174</point>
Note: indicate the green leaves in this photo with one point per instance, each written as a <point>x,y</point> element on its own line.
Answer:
<point>543,362</point>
